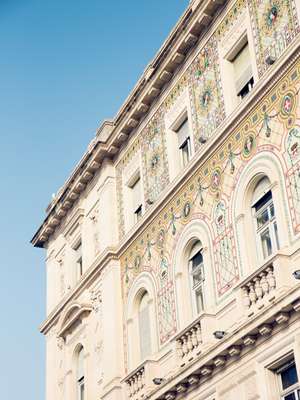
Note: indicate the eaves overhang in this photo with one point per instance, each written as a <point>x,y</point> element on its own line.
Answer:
<point>112,134</point>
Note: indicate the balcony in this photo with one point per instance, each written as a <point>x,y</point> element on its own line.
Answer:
<point>139,382</point>
<point>265,284</point>
<point>191,341</point>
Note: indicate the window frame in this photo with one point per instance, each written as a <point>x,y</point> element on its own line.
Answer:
<point>295,388</point>
<point>182,120</point>
<point>138,211</point>
<point>199,286</point>
<point>271,225</point>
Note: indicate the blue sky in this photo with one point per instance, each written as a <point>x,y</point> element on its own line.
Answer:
<point>64,67</point>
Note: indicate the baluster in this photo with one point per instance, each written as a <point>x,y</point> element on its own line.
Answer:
<point>189,341</point>
<point>264,283</point>
<point>271,278</point>
<point>139,380</point>
<point>135,384</point>
<point>179,349</point>
<point>258,288</point>
<point>194,337</point>
<point>246,298</point>
<point>198,333</point>
<point>184,346</point>
<point>252,294</point>
<point>129,389</point>
<point>143,377</point>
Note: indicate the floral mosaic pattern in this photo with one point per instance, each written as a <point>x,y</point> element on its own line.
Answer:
<point>274,126</point>
<point>155,165</point>
<point>274,25</point>
<point>226,268</point>
<point>206,93</point>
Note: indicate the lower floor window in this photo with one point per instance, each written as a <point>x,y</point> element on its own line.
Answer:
<point>288,381</point>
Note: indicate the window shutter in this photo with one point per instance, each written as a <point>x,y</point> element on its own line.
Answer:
<point>183,133</point>
<point>242,68</point>
<point>197,247</point>
<point>144,328</point>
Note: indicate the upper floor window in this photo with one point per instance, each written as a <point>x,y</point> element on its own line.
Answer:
<point>265,218</point>
<point>144,326</point>
<point>136,198</point>
<point>196,270</point>
<point>242,69</point>
<point>184,141</point>
<point>79,266</point>
<point>80,375</point>
<point>288,381</point>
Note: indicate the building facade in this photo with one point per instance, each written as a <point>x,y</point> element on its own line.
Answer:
<point>173,250</point>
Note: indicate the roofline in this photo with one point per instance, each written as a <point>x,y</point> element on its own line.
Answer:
<point>113,133</point>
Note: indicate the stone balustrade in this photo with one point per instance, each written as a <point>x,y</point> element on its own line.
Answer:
<point>136,383</point>
<point>188,343</point>
<point>259,289</point>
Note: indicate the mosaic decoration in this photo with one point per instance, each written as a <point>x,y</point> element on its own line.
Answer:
<point>206,93</point>
<point>155,165</point>
<point>274,25</point>
<point>227,273</point>
<point>207,196</point>
<point>292,156</point>
<point>176,92</point>
<point>230,17</point>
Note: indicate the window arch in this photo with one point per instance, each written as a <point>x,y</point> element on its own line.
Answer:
<point>261,175</point>
<point>194,273</point>
<point>141,320</point>
<point>80,374</point>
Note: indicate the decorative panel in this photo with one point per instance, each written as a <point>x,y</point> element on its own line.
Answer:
<point>206,93</point>
<point>155,165</point>
<point>274,26</point>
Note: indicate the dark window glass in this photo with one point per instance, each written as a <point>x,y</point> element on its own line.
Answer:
<point>290,397</point>
<point>289,377</point>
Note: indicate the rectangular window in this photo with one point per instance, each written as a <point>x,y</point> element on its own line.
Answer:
<point>288,381</point>
<point>197,276</point>
<point>266,224</point>
<point>79,269</point>
<point>242,69</point>
<point>184,143</point>
<point>136,194</point>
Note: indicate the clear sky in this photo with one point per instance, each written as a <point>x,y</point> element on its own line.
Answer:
<point>65,66</point>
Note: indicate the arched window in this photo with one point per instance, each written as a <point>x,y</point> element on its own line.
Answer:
<point>265,218</point>
<point>80,374</point>
<point>196,271</point>
<point>144,325</point>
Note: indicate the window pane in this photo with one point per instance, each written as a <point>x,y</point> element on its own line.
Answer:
<point>289,377</point>
<point>266,243</point>
<point>276,235</point>
<point>290,397</point>
<point>262,218</point>
<point>272,212</point>
<point>199,300</point>
<point>197,260</point>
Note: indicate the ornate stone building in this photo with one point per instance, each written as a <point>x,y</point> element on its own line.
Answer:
<point>173,250</point>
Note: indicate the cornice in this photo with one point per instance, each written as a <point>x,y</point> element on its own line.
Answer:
<point>112,134</point>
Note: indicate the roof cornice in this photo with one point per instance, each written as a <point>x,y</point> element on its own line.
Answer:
<point>113,133</point>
